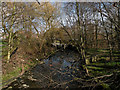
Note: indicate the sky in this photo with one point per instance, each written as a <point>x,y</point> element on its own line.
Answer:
<point>60,0</point>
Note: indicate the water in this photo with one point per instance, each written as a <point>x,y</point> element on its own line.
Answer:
<point>58,71</point>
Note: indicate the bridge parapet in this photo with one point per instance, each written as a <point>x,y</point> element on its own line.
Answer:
<point>59,45</point>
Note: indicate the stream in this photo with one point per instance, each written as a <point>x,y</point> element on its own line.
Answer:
<point>58,71</point>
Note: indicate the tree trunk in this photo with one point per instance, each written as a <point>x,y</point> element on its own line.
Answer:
<point>85,36</point>
<point>81,45</point>
<point>10,40</point>
<point>108,41</point>
<point>96,35</point>
<point>9,45</point>
<point>118,29</point>
<point>82,51</point>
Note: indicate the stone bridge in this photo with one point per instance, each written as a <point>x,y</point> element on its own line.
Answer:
<point>59,45</point>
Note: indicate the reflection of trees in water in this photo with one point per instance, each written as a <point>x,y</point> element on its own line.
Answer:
<point>56,62</point>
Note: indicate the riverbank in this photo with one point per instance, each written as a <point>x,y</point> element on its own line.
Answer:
<point>15,67</point>
<point>61,70</point>
<point>58,65</point>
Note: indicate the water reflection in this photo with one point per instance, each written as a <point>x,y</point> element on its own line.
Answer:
<point>57,62</point>
<point>56,68</point>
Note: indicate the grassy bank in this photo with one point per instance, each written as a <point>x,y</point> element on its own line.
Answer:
<point>9,76</point>
<point>101,68</point>
<point>103,65</point>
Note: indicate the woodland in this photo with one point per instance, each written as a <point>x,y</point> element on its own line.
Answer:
<point>61,45</point>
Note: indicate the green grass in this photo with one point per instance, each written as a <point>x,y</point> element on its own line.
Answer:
<point>92,67</point>
<point>98,68</point>
<point>15,73</point>
<point>103,67</point>
<point>103,50</point>
<point>3,42</point>
<point>99,73</point>
<point>93,51</point>
<point>0,50</point>
<point>0,45</point>
<point>12,74</point>
<point>107,63</point>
